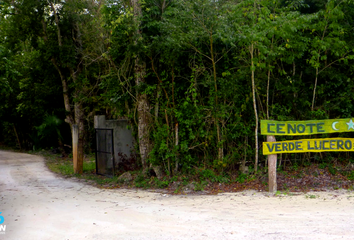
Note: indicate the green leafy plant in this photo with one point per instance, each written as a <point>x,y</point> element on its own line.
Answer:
<point>322,165</point>
<point>241,178</point>
<point>351,176</point>
<point>311,196</point>
<point>332,170</point>
<point>207,174</point>
<point>185,180</point>
<point>142,184</point>
<point>161,184</point>
<point>199,186</point>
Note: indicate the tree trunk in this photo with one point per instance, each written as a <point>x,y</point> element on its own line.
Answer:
<point>143,115</point>
<point>79,121</point>
<point>255,108</point>
<point>243,164</point>
<point>69,118</point>
<point>143,107</point>
<point>76,117</point>
<point>18,139</point>
<point>314,91</point>
<point>217,120</point>
<point>176,143</point>
<point>268,83</point>
<point>318,60</point>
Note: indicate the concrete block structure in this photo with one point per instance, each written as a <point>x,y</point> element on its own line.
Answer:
<point>123,141</point>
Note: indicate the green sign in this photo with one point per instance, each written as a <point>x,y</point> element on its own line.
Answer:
<point>309,145</point>
<point>271,127</point>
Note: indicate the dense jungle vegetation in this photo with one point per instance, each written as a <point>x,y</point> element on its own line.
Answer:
<point>194,77</point>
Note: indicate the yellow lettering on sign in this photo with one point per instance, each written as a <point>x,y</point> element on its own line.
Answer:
<point>309,145</point>
<point>271,127</point>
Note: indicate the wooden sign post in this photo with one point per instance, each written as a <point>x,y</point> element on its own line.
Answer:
<point>272,168</point>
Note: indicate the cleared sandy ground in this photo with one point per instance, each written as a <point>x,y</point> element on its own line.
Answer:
<point>37,204</point>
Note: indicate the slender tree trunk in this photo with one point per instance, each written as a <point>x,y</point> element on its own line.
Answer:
<point>157,104</point>
<point>255,108</point>
<point>69,118</point>
<point>176,143</point>
<point>143,107</point>
<point>218,132</point>
<point>80,146</point>
<point>18,139</point>
<point>268,83</point>
<point>318,60</point>
<point>168,134</point>
<point>314,91</point>
<point>243,165</point>
<point>76,115</point>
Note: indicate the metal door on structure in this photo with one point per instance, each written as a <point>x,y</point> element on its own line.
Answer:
<point>105,164</point>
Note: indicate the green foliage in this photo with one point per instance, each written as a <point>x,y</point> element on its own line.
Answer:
<point>161,183</point>
<point>351,176</point>
<point>241,178</point>
<point>295,166</point>
<point>197,66</point>
<point>141,182</point>
<point>185,180</point>
<point>322,165</point>
<point>332,170</point>
<point>199,186</point>
<point>48,131</point>
<point>311,196</point>
<point>207,174</point>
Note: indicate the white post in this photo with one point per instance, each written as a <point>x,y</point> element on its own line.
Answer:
<point>75,133</point>
<point>272,168</point>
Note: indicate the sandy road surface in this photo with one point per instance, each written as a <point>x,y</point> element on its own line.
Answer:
<point>36,204</point>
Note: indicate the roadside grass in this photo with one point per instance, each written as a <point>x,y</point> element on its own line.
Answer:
<point>64,166</point>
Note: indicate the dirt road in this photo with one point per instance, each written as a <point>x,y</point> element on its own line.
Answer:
<point>36,204</point>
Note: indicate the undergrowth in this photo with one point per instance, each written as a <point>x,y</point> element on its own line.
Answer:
<point>335,175</point>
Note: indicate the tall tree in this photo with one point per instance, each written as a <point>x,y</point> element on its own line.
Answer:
<point>143,106</point>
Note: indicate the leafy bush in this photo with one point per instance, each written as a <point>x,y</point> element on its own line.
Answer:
<point>199,186</point>
<point>332,170</point>
<point>207,174</point>
<point>241,178</point>
<point>351,176</point>
<point>161,184</point>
